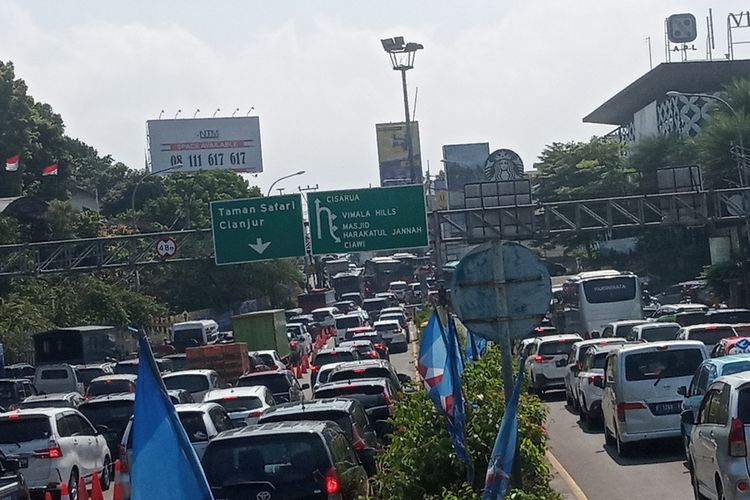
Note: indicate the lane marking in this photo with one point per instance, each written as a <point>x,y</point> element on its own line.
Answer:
<point>574,488</point>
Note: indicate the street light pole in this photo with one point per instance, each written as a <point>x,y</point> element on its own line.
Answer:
<point>140,181</point>
<point>281,179</point>
<point>402,59</point>
<point>738,130</point>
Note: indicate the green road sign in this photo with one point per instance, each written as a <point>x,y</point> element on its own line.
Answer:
<point>360,220</point>
<point>254,229</point>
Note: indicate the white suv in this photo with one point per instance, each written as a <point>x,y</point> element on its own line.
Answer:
<point>546,362</point>
<point>54,445</point>
<point>574,364</point>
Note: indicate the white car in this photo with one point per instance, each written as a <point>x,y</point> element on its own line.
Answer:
<point>545,365</point>
<point>709,334</point>
<point>196,382</point>
<point>396,337</point>
<point>270,358</point>
<point>324,373</point>
<point>297,332</point>
<point>588,392</point>
<point>641,383</point>
<point>243,404</point>
<point>346,321</point>
<point>398,288</point>
<point>54,445</point>
<point>325,316</point>
<point>574,364</point>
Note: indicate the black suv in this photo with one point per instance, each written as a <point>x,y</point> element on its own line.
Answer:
<point>375,394</point>
<point>284,460</point>
<point>347,413</point>
<point>282,384</point>
<point>112,411</point>
<point>13,391</point>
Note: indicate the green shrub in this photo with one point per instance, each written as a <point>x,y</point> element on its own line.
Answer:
<point>421,463</point>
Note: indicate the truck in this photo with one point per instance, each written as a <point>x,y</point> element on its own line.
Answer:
<point>348,282</point>
<point>262,330</point>
<point>315,299</point>
<point>229,360</point>
<point>80,345</point>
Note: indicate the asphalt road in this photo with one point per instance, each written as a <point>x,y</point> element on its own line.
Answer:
<point>656,469</point>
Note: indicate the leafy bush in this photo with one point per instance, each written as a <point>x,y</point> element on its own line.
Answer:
<point>421,463</point>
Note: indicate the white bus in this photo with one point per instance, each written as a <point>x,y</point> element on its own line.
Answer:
<point>592,299</point>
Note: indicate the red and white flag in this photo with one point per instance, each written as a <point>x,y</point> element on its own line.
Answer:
<point>50,169</point>
<point>11,164</point>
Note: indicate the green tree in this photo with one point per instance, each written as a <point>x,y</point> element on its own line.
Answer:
<point>652,153</point>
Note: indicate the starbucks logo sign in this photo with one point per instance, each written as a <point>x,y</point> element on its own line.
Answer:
<point>503,165</point>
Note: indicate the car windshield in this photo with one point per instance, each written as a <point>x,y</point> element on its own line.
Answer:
<point>194,425</point>
<point>348,322</point>
<point>239,403</point>
<point>113,414</point>
<point>711,335</point>
<point>109,386</point>
<point>657,334</point>
<point>88,374</point>
<point>662,364</point>
<point>341,417</point>
<point>24,429</point>
<point>359,373</point>
<point>283,459</point>
<point>387,327</point>
<point>325,358</point>
<point>191,383</point>
<point>557,347</point>
<point>276,382</point>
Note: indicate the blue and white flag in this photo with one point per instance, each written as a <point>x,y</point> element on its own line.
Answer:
<point>497,480</point>
<point>475,347</point>
<point>165,465</point>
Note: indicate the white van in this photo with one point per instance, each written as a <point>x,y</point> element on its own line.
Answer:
<point>51,379</point>
<point>346,321</point>
<point>641,381</point>
<point>194,333</point>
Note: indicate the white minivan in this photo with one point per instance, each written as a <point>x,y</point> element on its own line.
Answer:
<point>51,379</point>
<point>194,333</point>
<point>641,382</point>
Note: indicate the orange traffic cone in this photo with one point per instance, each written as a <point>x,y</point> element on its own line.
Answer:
<point>117,493</point>
<point>96,487</point>
<point>64,492</point>
<point>83,493</point>
<point>47,495</point>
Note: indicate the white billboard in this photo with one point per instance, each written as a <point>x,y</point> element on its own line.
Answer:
<point>205,144</point>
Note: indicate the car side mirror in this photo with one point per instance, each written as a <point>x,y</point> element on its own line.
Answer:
<point>101,429</point>
<point>12,464</point>
<point>599,382</point>
<point>403,378</point>
<point>688,417</point>
<point>682,391</point>
<point>305,386</point>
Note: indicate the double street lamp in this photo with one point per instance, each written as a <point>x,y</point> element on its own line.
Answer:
<point>402,59</point>
<point>741,152</point>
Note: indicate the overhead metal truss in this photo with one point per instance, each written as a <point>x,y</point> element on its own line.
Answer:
<point>470,225</point>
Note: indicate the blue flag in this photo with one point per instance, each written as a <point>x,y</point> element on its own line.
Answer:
<point>497,480</point>
<point>475,347</point>
<point>456,420</point>
<point>165,465</point>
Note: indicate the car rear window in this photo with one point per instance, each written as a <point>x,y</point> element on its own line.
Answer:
<point>367,395</point>
<point>24,429</point>
<point>359,373</point>
<point>108,412</point>
<point>55,374</point>
<point>659,334</point>
<point>126,368</point>
<point>195,427</point>
<point>341,417</point>
<point>662,364</point>
<point>729,317</point>
<point>88,374</point>
<point>557,347</point>
<point>276,382</point>
<point>281,459</point>
<point>711,336</point>
<point>348,322</point>
<point>239,403</point>
<point>388,327</point>
<point>110,386</point>
<point>321,315</point>
<point>325,358</point>
<point>191,383</point>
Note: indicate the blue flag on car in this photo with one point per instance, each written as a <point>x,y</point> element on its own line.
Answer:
<point>497,480</point>
<point>440,367</point>
<point>475,347</point>
<point>165,465</point>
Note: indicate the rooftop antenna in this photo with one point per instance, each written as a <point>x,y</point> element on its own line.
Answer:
<point>710,41</point>
<point>235,112</point>
<point>250,111</point>
<point>178,112</point>
<point>217,110</point>
<point>198,110</point>
<point>414,109</point>
<point>650,58</point>
<point>161,113</point>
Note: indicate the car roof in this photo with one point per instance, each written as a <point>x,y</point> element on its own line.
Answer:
<point>706,326</point>
<point>352,382</point>
<point>721,361</point>
<point>115,376</point>
<point>557,338</point>
<point>175,356</point>
<point>313,406</point>
<point>655,324</point>
<point>627,322</point>
<point>735,379</point>
<point>265,372</point>
<point>47,412</point>
<point>350,315</point>
<point>265,351</point>
<point>596,348</point>
<point>594,342</point>
<point>387,322</point>
<point>253,390</point>
<point>331,366</point>
<point>718,311</point>
<point>14,380</point>
<point>684,306</point>
<point>56,396</point>
<point>650,346</point>
<point>373,299</point>
<point>116,396</point>
<point>354,343</point>
<point>92,365</point>
<point>293,427</point>
<point>203,372</point>
<point>335,349</point>
<point>361,329</point>
<point>200,407</point>
<point>365,363</point>
<point>324,309</point>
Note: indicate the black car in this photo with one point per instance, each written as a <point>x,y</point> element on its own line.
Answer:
<point>13,391</point>
<point>179,361</point>
<point>310,460</point>
<point>20,370</point>
<point>282,384</point>
<point>377,342</point>
<point>12,484</point>
<point>112,411</point>
<point>375,394</point>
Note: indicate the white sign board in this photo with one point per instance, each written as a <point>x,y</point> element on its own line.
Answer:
<point>205,144</point>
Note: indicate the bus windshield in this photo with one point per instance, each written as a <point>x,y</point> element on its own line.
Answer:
<point>606,290</point>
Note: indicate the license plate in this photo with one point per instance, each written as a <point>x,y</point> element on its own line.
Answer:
<point>666,408</point>
<point>23,462</point>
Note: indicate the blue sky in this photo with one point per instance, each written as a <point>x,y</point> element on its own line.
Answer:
<point>516,74</point>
